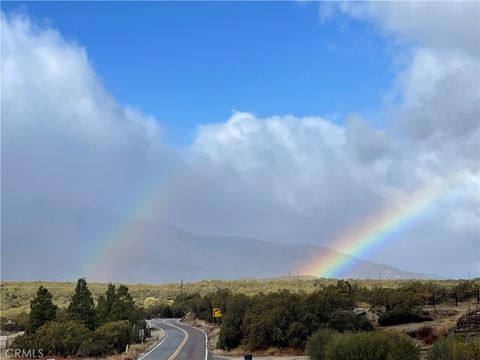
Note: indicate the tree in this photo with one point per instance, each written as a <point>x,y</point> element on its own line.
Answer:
<point>105,303</point>
<point>42,309</point>
<point>123,306</point>
<point>81,307</point>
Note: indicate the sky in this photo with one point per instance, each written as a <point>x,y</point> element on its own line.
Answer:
<point>287,122</point>
<point>197,62</point>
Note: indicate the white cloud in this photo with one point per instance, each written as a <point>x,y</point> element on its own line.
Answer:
<point>433,24</point>
<point>64,137</point>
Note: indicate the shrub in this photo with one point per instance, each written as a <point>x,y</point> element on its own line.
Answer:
<point>23,342</point>
<point>269,329</point>
<point>229,337</point>
<point>61,338</point>
<point>297,335</point>
<point>400,315</point>
<point>108,339</point>
<point>426,334</point>
<point>371,346</point>
<point>114,335</point>
<point>92,347</point>
<point>230,331</point>
<point>317,343</point>
<point>454,347</point>
<point>342,320</point>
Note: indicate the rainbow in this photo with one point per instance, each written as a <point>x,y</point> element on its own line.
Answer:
<point>118,241</point>
<point>357,240</point>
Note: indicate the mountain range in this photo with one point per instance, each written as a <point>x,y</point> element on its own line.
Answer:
<point>65,242</point>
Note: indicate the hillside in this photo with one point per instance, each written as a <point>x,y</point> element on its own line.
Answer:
<point>150,253</point>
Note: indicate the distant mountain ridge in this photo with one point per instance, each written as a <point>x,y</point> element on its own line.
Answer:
<point>61,241</point>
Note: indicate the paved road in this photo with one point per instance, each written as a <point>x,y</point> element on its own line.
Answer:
<point>181,342</point>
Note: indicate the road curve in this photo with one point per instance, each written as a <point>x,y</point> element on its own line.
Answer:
<point>181,342</point>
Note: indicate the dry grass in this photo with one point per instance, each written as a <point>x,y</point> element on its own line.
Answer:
<point>16,296</point>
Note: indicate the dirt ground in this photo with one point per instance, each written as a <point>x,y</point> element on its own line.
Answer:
<point>444,316</point>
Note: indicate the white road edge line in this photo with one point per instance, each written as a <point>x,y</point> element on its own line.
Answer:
<point>160,343</point>
<point>180,347</point>
<point>204,333</point>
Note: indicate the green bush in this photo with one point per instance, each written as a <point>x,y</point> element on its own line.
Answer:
<point>229,337</point>
<point>317,343</point>
<point>454,347</point>
<point>267,325</point>
<point>25,341</point>
<point>286,319</point>
<point>297,335</point>
<point>61,338</point>
<point>108,339</point>
<point>72,338</point>
<point>371,346</point>
<point>114,335</point>
<point>92,347</point>
<point>400,315</point>
<point>343,320</point>
<point>231,329</point>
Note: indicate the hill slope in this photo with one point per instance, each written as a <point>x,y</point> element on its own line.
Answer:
<point>62,243</point>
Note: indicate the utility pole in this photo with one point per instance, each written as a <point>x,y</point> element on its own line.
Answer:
<point>181,288</point>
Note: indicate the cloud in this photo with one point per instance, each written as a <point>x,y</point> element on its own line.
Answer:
<point>282,178</point>
<point>326,172</point>
<point>433,24</point>
<point>64,138</point>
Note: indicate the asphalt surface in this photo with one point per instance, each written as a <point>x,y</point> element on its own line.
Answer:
<point>181,342</point>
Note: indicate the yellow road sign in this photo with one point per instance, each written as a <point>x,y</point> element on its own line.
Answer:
<point>217,313</point>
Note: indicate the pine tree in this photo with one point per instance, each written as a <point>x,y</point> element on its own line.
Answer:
<point>42,309</point>
<point>123,307</point>
<point>81,305</point>
<point>105,303</point>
